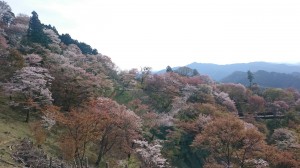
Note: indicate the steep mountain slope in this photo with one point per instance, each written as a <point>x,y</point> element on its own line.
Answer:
<point>63,104</point>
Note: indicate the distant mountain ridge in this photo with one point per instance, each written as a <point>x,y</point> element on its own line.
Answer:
<point>218,72</point>
<point>266,79</point>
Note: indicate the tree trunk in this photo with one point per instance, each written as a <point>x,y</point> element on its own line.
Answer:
<point>102,146</point>
<point>50,164</point>
<point>87,162</point>
<point>100,155</point>
<point>27,116</point>
<point>228,155</point>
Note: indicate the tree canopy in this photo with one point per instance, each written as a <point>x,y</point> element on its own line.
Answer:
<point>35,31</point>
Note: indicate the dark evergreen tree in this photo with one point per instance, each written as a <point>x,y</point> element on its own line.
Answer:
<point>169,69</point>
<point>195,72</point>
<point>250,77</point>
<point>95,52</point>
<point>52,28</point>
<point>85,48</point>
<point>35,31</point>
<point>66,39</point>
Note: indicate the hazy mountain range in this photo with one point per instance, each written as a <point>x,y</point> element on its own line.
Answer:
<point>218,72</point>
<point>266,79</point>
<point>265,74</point>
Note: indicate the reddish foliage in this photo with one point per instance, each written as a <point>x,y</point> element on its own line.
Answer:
<point>3,42</point>
<point>101,121</point>
<point>256,103</point>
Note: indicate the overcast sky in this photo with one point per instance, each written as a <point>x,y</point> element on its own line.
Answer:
<point>157,33</point>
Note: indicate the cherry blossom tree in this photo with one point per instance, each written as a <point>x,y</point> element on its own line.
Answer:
<point>256,103</point>
<point>277,158</point>
<point>33,83</point>
<point>284,138</point>
<point>237,92</point>
<point>82,126</point>
<point>33,59</point>
<point>127,80</point>
<point>17,30</point>
<point>203,94</point>
<point>150,154</point>
<point>224,99</point>
<point>101,123</point>
<point>229,139</point>
<point>282,106</point>
<point>3,42</point>
<point>54,37</point>
<point>10,61</point>
<point>6,14</point>
<point>4,7</point>
<point>74,84</point>
<point>119,129</point>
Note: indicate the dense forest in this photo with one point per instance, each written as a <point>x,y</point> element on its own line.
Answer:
<point>64,104</point>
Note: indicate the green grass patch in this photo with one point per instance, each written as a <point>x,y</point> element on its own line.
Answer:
<point>12,129</point>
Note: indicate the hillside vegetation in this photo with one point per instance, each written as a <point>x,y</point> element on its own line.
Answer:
<point>64,104</point>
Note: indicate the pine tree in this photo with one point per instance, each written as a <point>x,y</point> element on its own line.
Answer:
<point>67,39</point>
<point>169,69</point>
<point>195,72</point>
<point>250,77</point>
<point>35,31</point>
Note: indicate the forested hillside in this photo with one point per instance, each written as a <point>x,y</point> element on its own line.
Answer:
<point>64,104</point>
